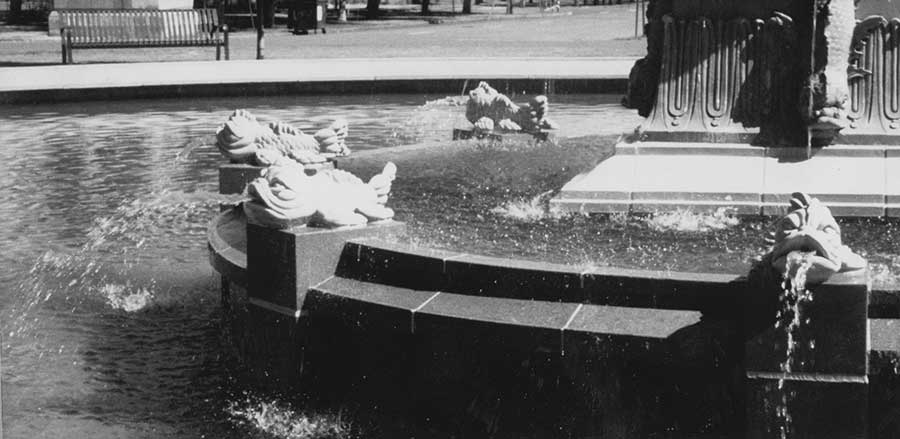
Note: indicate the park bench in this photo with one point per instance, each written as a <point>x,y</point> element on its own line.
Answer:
<point>98,29</point>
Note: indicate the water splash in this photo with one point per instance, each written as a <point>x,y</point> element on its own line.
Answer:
<point>687,221</point>
<point>109,269</point>
<point>533,209</point>
<point>126,297</point>
<point>280,420</point>
<point>431,120</point>
<point>790,320</point>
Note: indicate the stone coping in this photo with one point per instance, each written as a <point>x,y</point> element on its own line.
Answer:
<point>653,176</point>
<point>548,324</point>
<point>422,268</point>
<point>308,76</point>
<point>389,263</point>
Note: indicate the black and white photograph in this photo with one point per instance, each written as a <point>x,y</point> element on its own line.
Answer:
<point>450,219</point>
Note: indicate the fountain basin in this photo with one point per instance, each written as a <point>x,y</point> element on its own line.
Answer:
<point>430,334</point>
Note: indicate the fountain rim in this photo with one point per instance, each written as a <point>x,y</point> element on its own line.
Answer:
<point>182,79</point>
<point>602,285</point>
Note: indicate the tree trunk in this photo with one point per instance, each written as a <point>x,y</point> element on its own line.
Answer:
<point>372,8</point>
<point>15,10</point>
<point>467,7</point>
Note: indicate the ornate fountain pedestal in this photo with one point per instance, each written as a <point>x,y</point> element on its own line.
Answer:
<point>645,177</point>
<point>740,109</point>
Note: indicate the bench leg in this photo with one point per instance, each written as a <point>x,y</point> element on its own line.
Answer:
<point>63,45</point>
<point>218,52</point>
<point>69,47</point>
<point>227,54</point>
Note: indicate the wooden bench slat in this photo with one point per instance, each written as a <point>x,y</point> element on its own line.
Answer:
<point>142,28</point>
<point>103,27</point>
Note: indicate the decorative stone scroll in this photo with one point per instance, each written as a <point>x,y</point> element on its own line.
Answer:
<point>725,75</point>
<point>285,196</point>
<point>244,140</point>
<point>875,77</point>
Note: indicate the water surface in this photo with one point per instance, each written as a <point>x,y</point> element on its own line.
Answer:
<point>109,307</point>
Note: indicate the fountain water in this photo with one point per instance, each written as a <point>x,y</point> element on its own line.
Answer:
<point>117,196</point>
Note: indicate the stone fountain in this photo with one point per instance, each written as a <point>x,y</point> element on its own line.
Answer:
<point>323,297</point>
<point>746,102</point>
<point>494,115</point>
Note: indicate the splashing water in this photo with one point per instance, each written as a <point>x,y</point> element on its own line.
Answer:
<point>280,420</point>
<point>534,209</point>
<point>110,267</point>
<point>430,119</point>
<point>687,221</point>
<point>789,318</point>
<point>124,297</point>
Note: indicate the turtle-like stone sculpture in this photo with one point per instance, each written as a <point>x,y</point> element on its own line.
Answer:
<point>244,140</point>
<point>285,196</point>
<point>487,109</point>
<point>810,234</point>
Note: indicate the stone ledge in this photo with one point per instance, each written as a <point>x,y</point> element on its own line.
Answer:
<point>652,176</point>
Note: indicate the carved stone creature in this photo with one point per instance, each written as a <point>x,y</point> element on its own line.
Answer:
<point>244,140</point>
<point>488,109</point>
<point>286,197</point>
<point>829,83</point>
<point>809,232</point>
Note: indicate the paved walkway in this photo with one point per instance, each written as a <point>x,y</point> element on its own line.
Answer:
<point>578,43</point>
<point>308,70</point>
<point>591,31</point>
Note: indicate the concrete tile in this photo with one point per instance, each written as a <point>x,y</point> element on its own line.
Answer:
<point>498,311</point>
<point>859,180</point>
<point>394,264</point>
<point>510,278</point>
<point>615,174</point>
<point>644,371</point>
<point>817,409</point>
<point>517,324</point>
<point>632,322</point>
<point>711,174</point>
<point>832,337</point>
<point>711,293</point>
<point>604,189</point>
<point>892,210</point>
<point>283,264</point>
<point>582,205</point>
<point>376,294</point>
<point>654,206</point>
<point>892,181</point>
<point>364,306</point>
<point>700,149</point>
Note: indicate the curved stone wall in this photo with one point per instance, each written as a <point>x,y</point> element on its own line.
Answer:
<point>484,346</point>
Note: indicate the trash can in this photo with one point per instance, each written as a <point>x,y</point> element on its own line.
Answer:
<point>309,15</point>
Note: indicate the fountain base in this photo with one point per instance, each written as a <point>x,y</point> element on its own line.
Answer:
<point>645,177</point>
<point>499,136</point>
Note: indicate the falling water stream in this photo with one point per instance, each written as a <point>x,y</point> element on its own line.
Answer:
<point>110,311</point>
